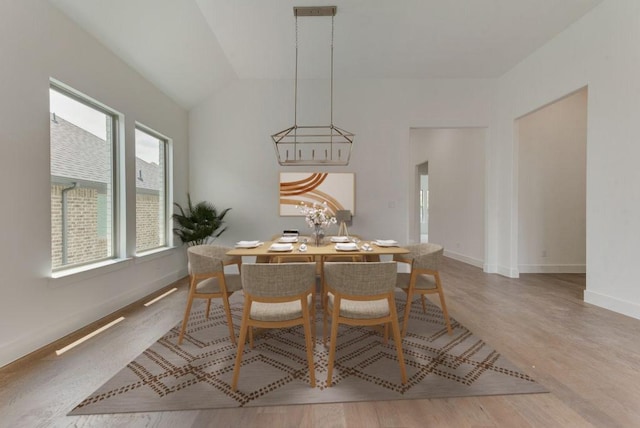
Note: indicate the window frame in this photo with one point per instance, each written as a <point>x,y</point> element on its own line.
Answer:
<point>167,188</point>
<point>116,237</point>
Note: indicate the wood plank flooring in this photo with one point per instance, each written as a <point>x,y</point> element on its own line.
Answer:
<point>588,357</point>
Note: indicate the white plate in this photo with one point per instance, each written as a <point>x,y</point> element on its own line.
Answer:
<point>288,239</point>
<point>248,244</point>
<point>386,243</point>
<point>340,239</point>
<point>346,247</point>
<point>281,247</point>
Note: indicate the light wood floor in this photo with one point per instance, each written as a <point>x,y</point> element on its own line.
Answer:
<point>589,358</point>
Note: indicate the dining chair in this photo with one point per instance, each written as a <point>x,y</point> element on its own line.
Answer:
<point>292,258</point>
<point>278,295</point>
<point>208,280</point>
<point>361,294</point>
<point>423,279</point>
<point>344,257</point>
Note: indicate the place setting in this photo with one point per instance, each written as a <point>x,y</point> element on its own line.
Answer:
<point>281,247</point>
<point>248,244</point>
<point>344,243</point>
<point>385,243</point>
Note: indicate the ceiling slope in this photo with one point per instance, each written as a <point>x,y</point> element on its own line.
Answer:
<point>189,48</point>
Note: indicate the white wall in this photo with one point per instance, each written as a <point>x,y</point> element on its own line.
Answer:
<point>552,149</point>
<point>601,51</point>
<point>233,162</point>
<point>232,159</point>
<point>36,43</point>
<point>456,189</point>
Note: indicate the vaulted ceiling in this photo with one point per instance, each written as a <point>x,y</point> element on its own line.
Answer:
<point>191,48</point>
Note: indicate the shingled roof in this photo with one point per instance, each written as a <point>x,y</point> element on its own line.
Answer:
<point>78,155</point>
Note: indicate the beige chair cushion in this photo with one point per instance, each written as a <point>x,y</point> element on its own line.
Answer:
<point>423,282</point>
<point>212,285</point>
<point>422,256</point>
<point>277,311</point>
<point>357,309</point>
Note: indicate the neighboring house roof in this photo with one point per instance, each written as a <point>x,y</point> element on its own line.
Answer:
<point>148,175</point>
<point>78,155</point>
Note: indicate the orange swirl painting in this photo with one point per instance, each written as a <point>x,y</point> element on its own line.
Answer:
<point>336,189</point>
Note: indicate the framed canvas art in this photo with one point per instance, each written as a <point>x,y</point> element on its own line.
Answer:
<point>337,189</point>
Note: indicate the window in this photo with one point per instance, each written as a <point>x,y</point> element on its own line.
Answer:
<point>82,179</point>
<point>151,190</point>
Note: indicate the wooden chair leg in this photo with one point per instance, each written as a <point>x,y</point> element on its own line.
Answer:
<point>243,336</point>
<point>445,313</point>
<point>185,320</point>
<point>325,321</point>
<point>312,321</point>
<point>407,309</point>
<point>227,309</point>
<point>208,307</point>
<point>334,339</point>
<point>398,340</point>
<point>324,299</point>
<point>424,303</point>
<point>309,342</point>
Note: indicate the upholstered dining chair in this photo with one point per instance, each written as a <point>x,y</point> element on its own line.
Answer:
<point>361,294</point>
<point>278,295</point>
<point>207,280</point>
<point>292,258</point>
<point>424,278</point>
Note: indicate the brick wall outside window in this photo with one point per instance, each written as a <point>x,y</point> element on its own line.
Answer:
<point>84,243</point>
<point>148,234</point>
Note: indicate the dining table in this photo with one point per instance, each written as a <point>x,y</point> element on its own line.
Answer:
<point>353,249</point>
<point>369,250</point>
<point>303,249</point>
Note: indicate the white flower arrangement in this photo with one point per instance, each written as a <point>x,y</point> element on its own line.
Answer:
<point>317,215</point>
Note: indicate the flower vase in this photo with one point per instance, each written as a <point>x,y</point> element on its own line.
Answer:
<point>318,235</point>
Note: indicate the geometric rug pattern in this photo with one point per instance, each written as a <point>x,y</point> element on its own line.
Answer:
<point>198,374</point>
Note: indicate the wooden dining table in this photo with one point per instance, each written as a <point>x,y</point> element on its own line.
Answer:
<point>326,251</point>
<point>321,252</point>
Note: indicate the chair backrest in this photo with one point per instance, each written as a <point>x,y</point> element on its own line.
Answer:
<point>425,256</point>
<point>208,258</point>
<point>278,279</point>
<point>361,279</point>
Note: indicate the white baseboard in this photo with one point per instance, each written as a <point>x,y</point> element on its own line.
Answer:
<point>466,259</point>
<point>508,272</point>
<point>613,304</point>
<point>487,268</point>
<point>552,268</point>
<point>49,333</point>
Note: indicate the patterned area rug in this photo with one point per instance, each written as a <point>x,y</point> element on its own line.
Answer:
<point>197,375</point>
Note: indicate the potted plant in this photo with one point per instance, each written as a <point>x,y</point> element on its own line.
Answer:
<point>200,223</point>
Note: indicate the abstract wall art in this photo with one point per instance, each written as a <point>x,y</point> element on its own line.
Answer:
<point>337,189</point>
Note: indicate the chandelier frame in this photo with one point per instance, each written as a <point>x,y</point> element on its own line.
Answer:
<point>310,145</point>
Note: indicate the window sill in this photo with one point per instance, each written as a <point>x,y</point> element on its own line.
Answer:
<point>80,273</point>
<point>154,254</point>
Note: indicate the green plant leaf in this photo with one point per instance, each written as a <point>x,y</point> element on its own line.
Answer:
<point>196,224</point>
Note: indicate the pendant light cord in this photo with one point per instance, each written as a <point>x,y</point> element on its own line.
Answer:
<point>295,95</point>
<point>332,26</point>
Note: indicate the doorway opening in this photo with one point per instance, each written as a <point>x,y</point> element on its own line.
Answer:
<point>423,202</point>
<point>551,145</point>
<point>447,191</point>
